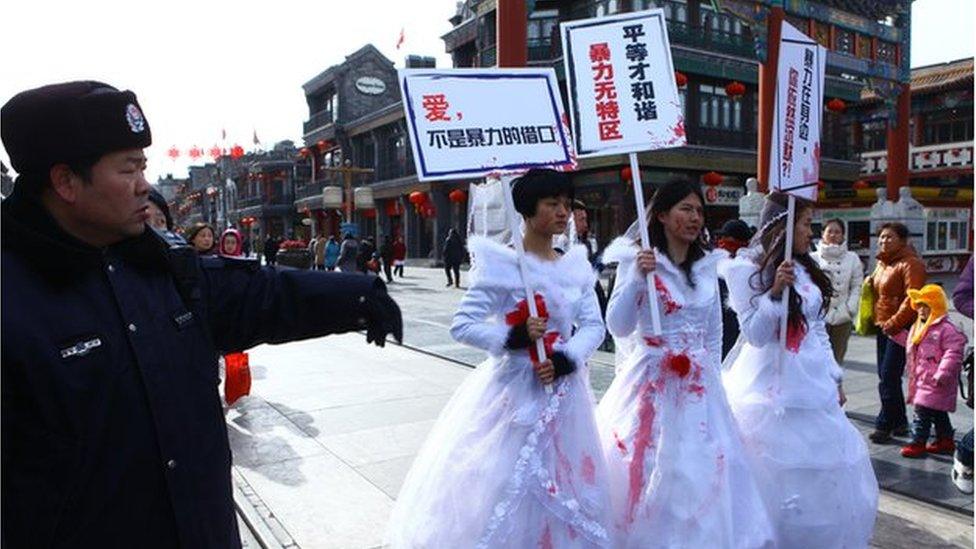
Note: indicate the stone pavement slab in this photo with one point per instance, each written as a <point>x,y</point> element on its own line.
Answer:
<point>332,426</point>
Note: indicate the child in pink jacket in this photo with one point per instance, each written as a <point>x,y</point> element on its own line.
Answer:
<point>934,357</point>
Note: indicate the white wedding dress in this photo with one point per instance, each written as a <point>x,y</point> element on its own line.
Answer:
<point>814,469</point>
<point>678,472</point>
<point>506,464</point>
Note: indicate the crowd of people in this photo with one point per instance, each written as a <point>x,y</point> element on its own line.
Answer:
<point>712,431</point>
<point>720,428</point>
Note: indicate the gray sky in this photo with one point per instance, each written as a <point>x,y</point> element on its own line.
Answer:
<point>199,67</point>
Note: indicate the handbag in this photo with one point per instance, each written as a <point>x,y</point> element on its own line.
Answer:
<point>864,323</point>
<point>237,380</point>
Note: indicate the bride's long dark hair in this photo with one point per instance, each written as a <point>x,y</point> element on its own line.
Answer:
<point>773,240</point>
<point>665,198</point>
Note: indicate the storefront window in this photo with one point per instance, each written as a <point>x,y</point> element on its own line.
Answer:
<point>717,110</point>
<point>947,236</point>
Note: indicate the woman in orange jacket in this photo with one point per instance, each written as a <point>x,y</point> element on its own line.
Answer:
<point>899,269</point>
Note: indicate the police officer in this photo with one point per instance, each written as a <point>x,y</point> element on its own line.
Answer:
<point>112,430</point>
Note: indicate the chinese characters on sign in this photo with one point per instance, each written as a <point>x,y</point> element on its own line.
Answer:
<point>641,89</point>
<point>620,78</point>
<point>463,123</point>
<point>607,108</point>
<point>491,137</point>
<point>795,159</point>
<point>436,106</point>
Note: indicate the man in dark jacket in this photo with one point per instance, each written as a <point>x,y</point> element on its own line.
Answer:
<point>453,253</point>
<point>271,244</point>
<point>733,235</point>
<point>112,429</point>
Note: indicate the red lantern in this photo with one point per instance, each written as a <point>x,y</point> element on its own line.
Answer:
<point>457,196</point>
<point>216,152</point>
<point>712,179</point>
<point>680,79</point>
<point>195,152</point>
<point>836,105</point>
<point>417,198</point>
<point>860,184</point>
<point>626,175</point>
<point>173,152</point>
<point>735,89</point>
<point>236,151</point>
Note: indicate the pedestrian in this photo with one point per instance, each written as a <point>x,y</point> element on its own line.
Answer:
<point>230,244</point>
<point>846,273</point>
<point>246,245</point>
<point>453,253</point>
<point>271,244</point>
<point>112,431</point>
<point>201,237</point>
<point>934,351</point>
<point>399,255</point>
<point>366,251</point>
<point>581,221</point>
<point>812,464</point>
<point>526,465</point>
<point>159,216</point>
<point>962,463</point>
<point>331,253</point>
<point>678,471</point>
<point>348,254</point>
<point>733,236</point>
<point>386,254</point>
<point>898,270</point>
<point>319,244</point>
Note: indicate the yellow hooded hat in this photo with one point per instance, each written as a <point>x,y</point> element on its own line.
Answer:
<point>934,296</point>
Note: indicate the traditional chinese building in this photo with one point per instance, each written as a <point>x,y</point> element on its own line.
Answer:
<point>940,164</point>
<point>720,49</point>
<point>356,138</point>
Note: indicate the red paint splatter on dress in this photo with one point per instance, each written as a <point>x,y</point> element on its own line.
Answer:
<point>679,363</point>
<point>588,470</point>
<point>670,305</point>
<point>679,129</point>
<point>654,341</point>
<point>794,336</point>
<point>620,444</point>
<point>696,389</point>
<point>643,440</point>
<point>546,541</point>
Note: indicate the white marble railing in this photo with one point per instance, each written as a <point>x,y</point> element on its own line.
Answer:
<point>928,157</point>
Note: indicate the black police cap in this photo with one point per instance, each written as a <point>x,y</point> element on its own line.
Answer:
<point>72,121</point>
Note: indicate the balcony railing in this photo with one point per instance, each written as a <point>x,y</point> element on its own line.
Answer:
<point>929,157</point>
<point>709,39</point>
<point>317,120</point>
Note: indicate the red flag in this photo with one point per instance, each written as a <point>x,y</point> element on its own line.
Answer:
<point>400,39</point>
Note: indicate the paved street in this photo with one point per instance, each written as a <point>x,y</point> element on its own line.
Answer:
<point>323,443</point>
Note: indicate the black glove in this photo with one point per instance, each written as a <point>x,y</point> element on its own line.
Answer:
<point>518,337</point>
<point>384,317</point>
<point>562,364</point>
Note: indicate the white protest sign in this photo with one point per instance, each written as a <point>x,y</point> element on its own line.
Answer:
<point>473,122</point>
<point>795,160</point>
<point>620,80</point>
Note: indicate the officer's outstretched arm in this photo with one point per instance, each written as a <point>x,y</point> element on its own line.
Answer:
<point>248,305</point>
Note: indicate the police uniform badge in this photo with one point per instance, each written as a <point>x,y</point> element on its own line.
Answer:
<point>134,117</point>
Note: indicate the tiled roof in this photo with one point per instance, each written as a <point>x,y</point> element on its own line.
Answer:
<point>935,77</point>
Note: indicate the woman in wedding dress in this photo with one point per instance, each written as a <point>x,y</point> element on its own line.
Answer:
<point>678,473</point>
<point>813,466</point>
<point>509,464</point>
